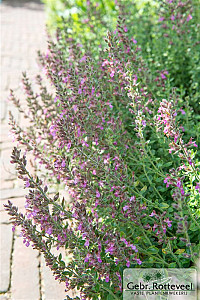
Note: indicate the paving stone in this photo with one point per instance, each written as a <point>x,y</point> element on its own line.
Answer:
<point>5,94</point>
<point>23,33</point>
<point>25,272</point>
<point>7,169</point>
<point>3,110</point>
<point>5,146</point>
<point>12,193</point>
<point>4,79</point>
<point>5,132</point>
<point>53,290</point>
<point>4,297</point>
<point>6,184</point>
<point>5,252</point>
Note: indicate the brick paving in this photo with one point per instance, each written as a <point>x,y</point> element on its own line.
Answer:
<point>24,274</point>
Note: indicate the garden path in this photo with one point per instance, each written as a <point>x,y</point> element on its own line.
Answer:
<point>24,274</point>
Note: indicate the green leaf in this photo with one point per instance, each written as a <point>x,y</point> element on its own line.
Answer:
<point>194,227</point>
<point>168,164</point>
<point>180,251</point>
<point>142,191</point>
<point>153,250</point>
<point>109,297</point>
<point>97,288</point>
<point>56,197</point>
<point>62,263</point>
<point>161,188</point>
<point>122,234</point>
<point>172,265</point>
<point>136,183</point>
<point>163,205</point>
<point>152,259</point>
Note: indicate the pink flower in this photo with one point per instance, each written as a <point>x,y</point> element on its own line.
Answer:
<point>119,276</point>
<point>169,223</point>
<point>144,123</point>
<point>128,263</point>
<point>189,17</point>
<point>161,19</point>
<point>98,195</point>
<point>83,58</point>
<point>125,241</point>
<point>167,181</point>
<point>178,183</point>
<point>182,111</point>
<point>87,243</point>
<point>132,198</point>
<point>133,247</point>
<point>197,187</point>
<point>134,41</point>
<point>138,261</point>
<point>85,144</point>
<point>87,258</point>
<point>152,214</point>
<point>75,108</point>
<point>182,192</point>
<point>106,161</point>
<point>116,194</point>
<point>163,76</point>
<point>49,231</point>
<point>69,145</point>
<point>107,278</point>
<point>125,29</point>
<point>27,184</point>
<point>154,227</point>
<point>99,258</point>
<point>110,249</point>
<point>175,138</point>
<point>125,207</point>
<point>66,283</point>
<point>27,244</point>
<point>106,62</point>
<point>63,164</point>
<point>112,73</point>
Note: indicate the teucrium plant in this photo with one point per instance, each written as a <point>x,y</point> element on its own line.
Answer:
<point>111,135</point>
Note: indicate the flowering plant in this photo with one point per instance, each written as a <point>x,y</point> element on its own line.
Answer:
<point>112,136</point>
